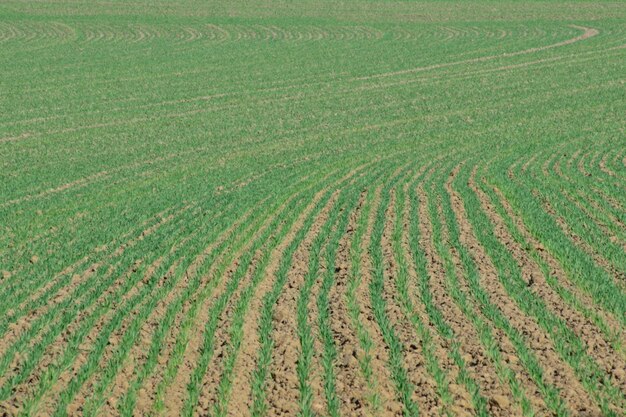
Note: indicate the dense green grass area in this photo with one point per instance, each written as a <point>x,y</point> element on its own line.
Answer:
<point>211,207</point>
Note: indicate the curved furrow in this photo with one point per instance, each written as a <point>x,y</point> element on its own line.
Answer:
<point>570,220</point>
<point>283,392</point>
<point>95,323</point>
<point>595,196</point>
<point>251,293</point>
<point>227,335</point>
<point>28,317</point>
<point>587,33</point>
<point>585,218</point>
<point>554,273</point>
<point>102,383</point>
<point>352,379</point>
<point>262,391</point>
<point>572,217</point>
<point>379,268</point>
<point>604,167</point>
<point>610,259</point>
<point>410,299</point>
<point>593,207</point>
<point>501,349</point>
<point>450,315</point>
<point>180,348</point>
<point>581,269</point>
<point>185,311</point>
<point>185,314</point>
<point>483,296</point>
<point>423,368</point>
<point>512,294</point>
<point>147,352</point>
<point>241,384</point>
<point>222,389</point>
<point>71,299</point>
<point>170,393</point>
<point>594,344</point>
<point>593,177</point>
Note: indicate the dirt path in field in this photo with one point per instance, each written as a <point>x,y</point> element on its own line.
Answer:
<point>587,33</point>
<point>15,138</point>
<point>597,346</point>
<point>556,372</point>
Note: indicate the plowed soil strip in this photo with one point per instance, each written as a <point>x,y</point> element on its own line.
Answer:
<point>60,289</point>
<point>90,381</point>
<point>425,392</point>
<point>81,317</point>
<point>495,344</point>
<point>58,352</point>
<point>597,347</point>
<point>117,328</point>
<point>379,270</point>
<point>142,358</point>
<point>250,342</point>
<point>218,389</point>
<point>227,331</point>
<point>175,394</point>
<point>77,359</point>
<point>352,387</point>
<point>431,344</point>
<point>557,372</point>
<point>283,392</point>
<point>465,355</point>
<point>389,404</point>
<point>369,367</point>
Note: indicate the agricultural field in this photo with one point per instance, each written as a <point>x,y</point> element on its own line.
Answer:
<point>312,208</point>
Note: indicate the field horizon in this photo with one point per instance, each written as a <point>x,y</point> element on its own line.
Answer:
<point>312,208</point>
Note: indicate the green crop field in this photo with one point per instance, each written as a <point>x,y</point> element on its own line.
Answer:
<point>312,208</point>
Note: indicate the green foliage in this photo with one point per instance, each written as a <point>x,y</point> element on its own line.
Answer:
<point>161,165</point>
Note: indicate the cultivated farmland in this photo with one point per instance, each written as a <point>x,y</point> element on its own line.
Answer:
<point>312,208</point>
